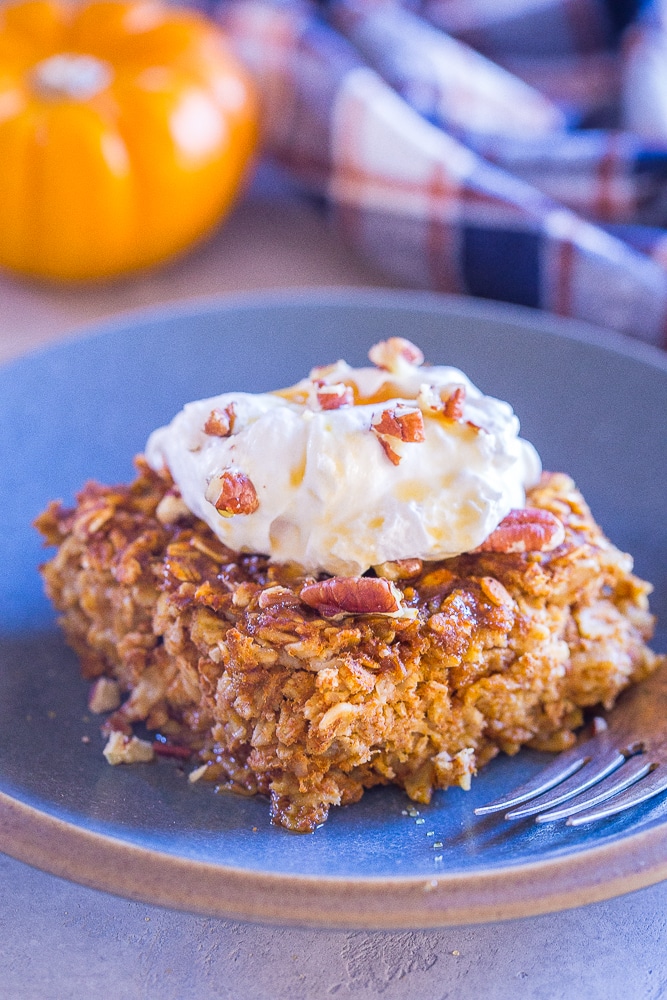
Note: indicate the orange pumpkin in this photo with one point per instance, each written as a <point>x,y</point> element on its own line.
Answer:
<point>125,129</point>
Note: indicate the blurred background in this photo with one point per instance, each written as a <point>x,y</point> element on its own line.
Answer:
<point>513,150</point>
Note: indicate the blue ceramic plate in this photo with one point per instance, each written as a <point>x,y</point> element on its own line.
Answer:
<point>594,405</point>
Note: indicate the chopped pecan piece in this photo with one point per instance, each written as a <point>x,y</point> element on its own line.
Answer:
<point>244,593</point>
<point>399,569</point>
<point>277,597</point>
<point>454,403</point>
<point>122,749</point>
<point>104,696</point>
<point>429,400</point>
<point>394,354</point>
<point>403,422</point>
<point>232,493</point>
<point>527,530</point>
<point>171,508</point>
<point>352,595</point>
<point>220,422</point>
<point>117,722</point>
<point>333,397</point>
<point>392,455</point>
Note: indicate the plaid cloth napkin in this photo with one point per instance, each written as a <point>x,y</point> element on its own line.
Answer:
<point>509,149</point>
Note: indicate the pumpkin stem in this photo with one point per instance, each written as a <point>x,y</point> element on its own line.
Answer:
<point>71,77</point>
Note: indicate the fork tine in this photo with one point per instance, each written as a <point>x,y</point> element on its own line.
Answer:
<point>566,763</point>
<point>594,770</point>
<point>653,784</point>
<point>626,775</point>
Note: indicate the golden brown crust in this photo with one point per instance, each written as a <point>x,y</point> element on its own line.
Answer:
<point>217,651</point>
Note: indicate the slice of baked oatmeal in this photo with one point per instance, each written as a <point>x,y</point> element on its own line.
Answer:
<point>309,689</point>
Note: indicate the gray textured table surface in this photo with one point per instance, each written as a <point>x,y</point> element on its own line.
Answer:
<point>62,942</point>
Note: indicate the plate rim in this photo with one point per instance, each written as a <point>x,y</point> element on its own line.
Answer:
<point>113,864</point>
<point>131,871</point>
<point>364,296</point>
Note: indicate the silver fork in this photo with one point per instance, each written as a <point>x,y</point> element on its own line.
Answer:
<point>623,764</point>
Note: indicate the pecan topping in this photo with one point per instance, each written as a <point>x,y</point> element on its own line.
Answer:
<point>332,397</point>
<point>528,530</point>
<point>404,423</point>
<point>277,596</point>
<point>429,400</point>
<point>104,696</point>
<point>122,749</point>
<point>352,595</point>
<point>399,569</point>
<point>454,403</point>
<point>232,493</point>
<point>220,422</point>
<point>392,455</point>
<point>171,508</point>
<point>394,354</point>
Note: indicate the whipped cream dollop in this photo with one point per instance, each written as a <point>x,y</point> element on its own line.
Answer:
<point>351,467</point>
